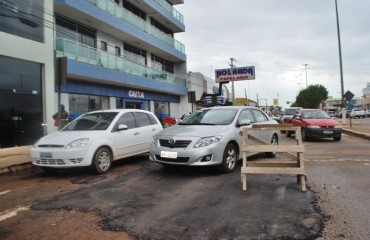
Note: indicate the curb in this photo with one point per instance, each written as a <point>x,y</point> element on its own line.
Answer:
<point>358,134</point>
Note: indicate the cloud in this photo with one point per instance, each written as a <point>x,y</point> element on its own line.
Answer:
<point>278,37</point>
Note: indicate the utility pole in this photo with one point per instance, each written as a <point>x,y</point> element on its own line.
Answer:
<point>305,66</point>
<point>246,98</point>
<point>340,57</point>
<point>232,60</point>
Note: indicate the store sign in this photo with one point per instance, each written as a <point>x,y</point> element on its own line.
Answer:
<point>135,94</point>
<point>235,74</point>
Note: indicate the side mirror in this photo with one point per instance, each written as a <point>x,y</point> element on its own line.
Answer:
<point>244,122</point>
<point>122,127</point>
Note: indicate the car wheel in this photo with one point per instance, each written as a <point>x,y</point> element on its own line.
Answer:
<point>274,141</point>
<point>337,138</point>
<point>102,160</point>
<point>304,134</point>
<point>229,159</point>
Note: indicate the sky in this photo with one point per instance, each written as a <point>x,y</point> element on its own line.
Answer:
<point>278,37</point>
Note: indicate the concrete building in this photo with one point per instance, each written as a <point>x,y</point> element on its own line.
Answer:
<point>116,54</point>
<point>202,85</point>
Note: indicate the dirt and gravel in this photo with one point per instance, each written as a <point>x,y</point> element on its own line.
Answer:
<point>149,202</point>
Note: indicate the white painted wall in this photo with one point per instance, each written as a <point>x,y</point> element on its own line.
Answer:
<point>40,53</point>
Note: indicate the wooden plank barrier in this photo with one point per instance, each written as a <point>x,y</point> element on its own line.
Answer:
<point>294,165</point>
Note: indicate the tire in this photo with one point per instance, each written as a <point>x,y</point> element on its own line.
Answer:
<point>102,160</point>
<point>304,134</point>
<point>337,138</point>
<point>274,141</point>
<point>229,159</point>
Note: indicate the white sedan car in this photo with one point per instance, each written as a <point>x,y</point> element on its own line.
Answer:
<point>210,136</point>
<point>96,139</point>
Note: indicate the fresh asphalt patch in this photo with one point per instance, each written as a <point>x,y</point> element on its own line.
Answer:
<point>197,203</point>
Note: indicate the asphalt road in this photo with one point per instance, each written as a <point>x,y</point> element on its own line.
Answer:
<point>142,200</point>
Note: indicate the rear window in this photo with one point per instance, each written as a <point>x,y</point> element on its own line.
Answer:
<point>290,111</point>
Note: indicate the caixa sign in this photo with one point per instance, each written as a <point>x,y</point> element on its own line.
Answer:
<point>135,94</point>
<point>235,74</point>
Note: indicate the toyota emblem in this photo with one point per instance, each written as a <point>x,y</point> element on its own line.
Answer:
<point>171,141</point>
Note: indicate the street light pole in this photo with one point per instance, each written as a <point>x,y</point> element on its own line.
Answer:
<point>305,65</point>
<point>340,56</point>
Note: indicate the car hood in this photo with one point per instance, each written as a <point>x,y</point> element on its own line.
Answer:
<point>194,130</point>
<point>66,137</point>
<point>322,122</point>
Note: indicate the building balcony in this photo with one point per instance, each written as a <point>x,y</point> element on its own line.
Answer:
<point>87,54</point>
<point>168,7</point>
<point>125,15</point>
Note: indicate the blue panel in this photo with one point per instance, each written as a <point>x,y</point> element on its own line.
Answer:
<point>79,87</point>
<point>111,76</point>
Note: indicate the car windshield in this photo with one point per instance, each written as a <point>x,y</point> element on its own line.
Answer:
<point>315,114</point>
<point>91,122</point>
<point>210,117</point>
<point>290,111</point>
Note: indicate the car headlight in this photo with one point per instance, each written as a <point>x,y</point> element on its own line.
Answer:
<point>338,127</point>
<point>79,143</point>
<point>313,126</point>
<point>203,142</point>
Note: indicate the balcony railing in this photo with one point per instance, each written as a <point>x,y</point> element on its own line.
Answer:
<point>127,16</point>
<point>83,53</point>
<point>169,8</point>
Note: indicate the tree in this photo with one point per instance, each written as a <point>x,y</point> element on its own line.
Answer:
<point>311,97</point>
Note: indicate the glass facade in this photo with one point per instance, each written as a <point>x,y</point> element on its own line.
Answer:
<point>23,18</point>
<point>21,102</point>
<point>79,104</point>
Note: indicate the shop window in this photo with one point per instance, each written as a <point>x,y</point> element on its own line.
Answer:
<point>79,103</point>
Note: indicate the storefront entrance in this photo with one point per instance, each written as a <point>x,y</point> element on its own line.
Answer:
<point>134,104</point>
<point>21,102</point>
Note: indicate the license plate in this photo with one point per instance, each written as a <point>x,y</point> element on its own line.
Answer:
<point>46,155</point>
<point>328,132</point>
<point>166,154</point>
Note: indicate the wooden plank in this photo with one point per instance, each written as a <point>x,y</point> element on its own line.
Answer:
<point>273,164</point>
<point>258,140</point>
<point>273,148</point>
<point>273,170</point>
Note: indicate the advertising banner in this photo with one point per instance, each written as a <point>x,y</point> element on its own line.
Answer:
<point>235,74</point>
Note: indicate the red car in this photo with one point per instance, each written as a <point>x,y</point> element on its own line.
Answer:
<point>316,123</point>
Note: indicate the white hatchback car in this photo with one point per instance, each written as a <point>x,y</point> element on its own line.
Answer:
<point>96,139</point>
<point>210,136</point>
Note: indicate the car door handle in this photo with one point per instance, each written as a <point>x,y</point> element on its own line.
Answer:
<point>154,129</point>
<point>136,133</point>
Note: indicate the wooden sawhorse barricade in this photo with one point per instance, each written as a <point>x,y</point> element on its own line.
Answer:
<point>294,166</point>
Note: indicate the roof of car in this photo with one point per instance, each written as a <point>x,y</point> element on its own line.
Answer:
<point>119,110</point>
<point>231,107</point>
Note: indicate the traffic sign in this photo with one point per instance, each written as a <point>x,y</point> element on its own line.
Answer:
<point>348,95</point>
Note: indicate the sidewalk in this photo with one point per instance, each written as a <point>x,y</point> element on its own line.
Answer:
<point>18,158</point>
